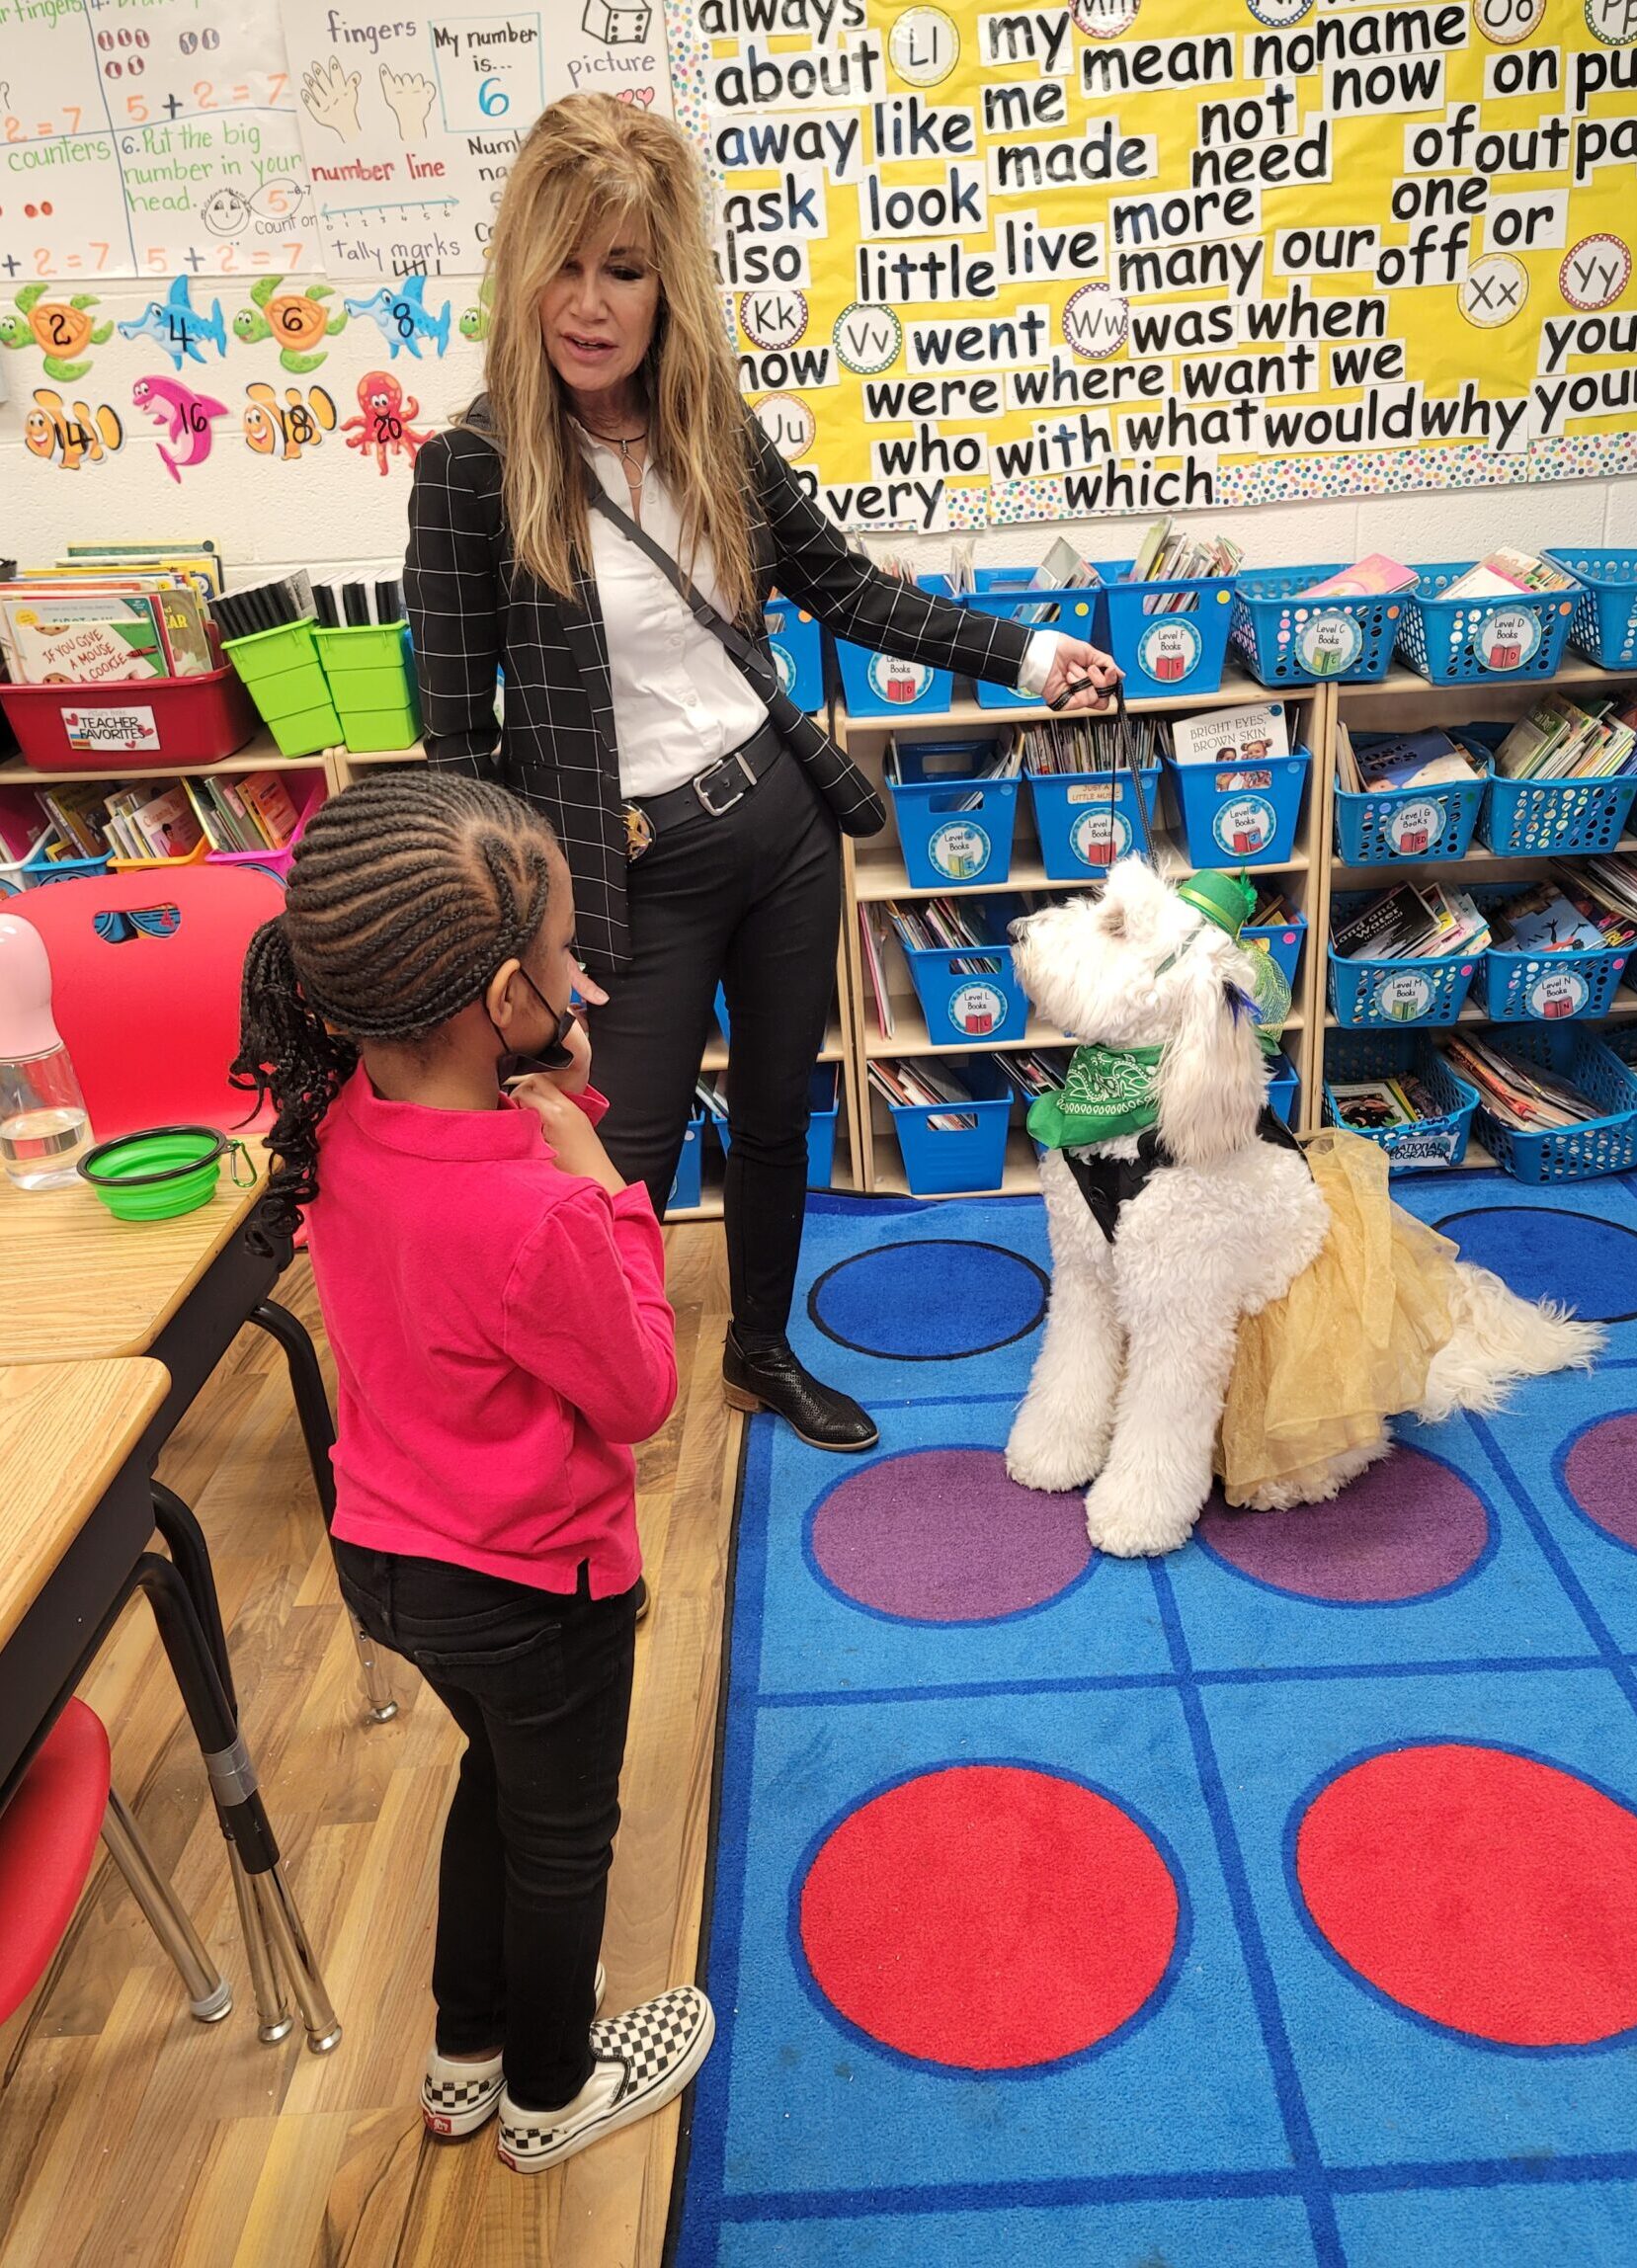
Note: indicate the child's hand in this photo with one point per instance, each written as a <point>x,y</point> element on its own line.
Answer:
<point>575,1076</point>
<point>571,1134</point>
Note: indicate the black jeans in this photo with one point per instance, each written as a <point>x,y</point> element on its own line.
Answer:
<point>750,901</point>
<point>540,1682</point>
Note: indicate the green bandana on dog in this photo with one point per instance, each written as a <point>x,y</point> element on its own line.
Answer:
<point>1111,1091</point>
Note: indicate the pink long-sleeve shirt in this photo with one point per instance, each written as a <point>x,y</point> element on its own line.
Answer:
<point>501,1334</point>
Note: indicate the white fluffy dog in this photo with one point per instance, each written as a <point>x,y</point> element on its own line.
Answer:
<point>1128,1388</point>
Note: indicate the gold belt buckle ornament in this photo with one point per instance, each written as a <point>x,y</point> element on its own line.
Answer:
<point>639,832</point>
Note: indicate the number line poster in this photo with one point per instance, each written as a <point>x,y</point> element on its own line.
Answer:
<point>1132,254</point>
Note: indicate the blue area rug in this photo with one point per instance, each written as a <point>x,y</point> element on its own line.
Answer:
<point>1263,1907</point>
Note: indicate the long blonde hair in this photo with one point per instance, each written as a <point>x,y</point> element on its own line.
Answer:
<point>588,162</point>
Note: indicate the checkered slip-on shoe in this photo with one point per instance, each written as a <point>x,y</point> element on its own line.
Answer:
<point>457,2098</point>
<point>644,2059</point>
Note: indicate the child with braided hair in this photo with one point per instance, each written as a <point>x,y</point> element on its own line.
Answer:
<point>494,1297</point>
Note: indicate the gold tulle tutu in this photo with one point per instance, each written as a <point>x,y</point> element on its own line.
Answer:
<point>1348,1347</point>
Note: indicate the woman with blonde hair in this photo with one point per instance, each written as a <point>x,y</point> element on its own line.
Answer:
<point>603,528</point>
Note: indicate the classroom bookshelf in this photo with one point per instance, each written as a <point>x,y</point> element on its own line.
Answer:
<point>1403,701</point>
<point>866,1153</point>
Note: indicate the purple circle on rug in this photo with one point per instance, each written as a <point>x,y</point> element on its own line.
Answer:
<point>945,1535</point>
<point>1601,1474</point>
<point>1407,1525</point>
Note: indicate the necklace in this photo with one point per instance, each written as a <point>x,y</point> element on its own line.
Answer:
<point>625,443</point>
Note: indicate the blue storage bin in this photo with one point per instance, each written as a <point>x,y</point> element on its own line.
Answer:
<point>1086,820</point>
<point>1527,818</point>
<point>1395,826</point>
<point>1162,654</point>
<point>1379,994</point>
<point>1283,1086</point>
<point>824,1108</point>
<point>1239,825</point>
<point>877,686</point>
<point>797,650</point>
<point>685,1187</point>
<point>1603,626</point>
<point>1453,641</point>
<point>956,830</point>
<point>1287,639</point>
<point>1282,940</point>
<point>1606,1145</point>
<point>1438,1141</point>
<point>1546,987</point>
<point>943,1161</point>
<point>971,995</point>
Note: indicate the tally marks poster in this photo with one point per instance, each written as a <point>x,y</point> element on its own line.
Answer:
<point>1036,262</point>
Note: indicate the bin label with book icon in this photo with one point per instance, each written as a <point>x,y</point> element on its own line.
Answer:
<point>1169,649</point>
<point>1099,837</point>
<point>1245,825</point>
<point>1507,638</point>
<point>959,849</point>
<point>1329,642</point>
<point>1559,993</point>
<point>1403,997</point>
<point>977,1010</point>
<point>897,682</point>
<point>783,663</point>
<point>1414,827</point>
<point>110,731</point>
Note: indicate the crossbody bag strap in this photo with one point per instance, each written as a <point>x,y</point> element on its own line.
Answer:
<point>762,677</point>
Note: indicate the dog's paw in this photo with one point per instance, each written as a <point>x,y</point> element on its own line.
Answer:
<point>1044,1456</point>
<point>1125,1528</point>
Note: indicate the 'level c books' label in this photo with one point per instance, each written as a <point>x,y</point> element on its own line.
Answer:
<point>1329,642</point>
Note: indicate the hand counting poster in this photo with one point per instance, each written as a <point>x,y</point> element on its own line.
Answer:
<point>980,265</point>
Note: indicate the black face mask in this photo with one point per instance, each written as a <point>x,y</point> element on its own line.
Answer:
<point>554,1056</point>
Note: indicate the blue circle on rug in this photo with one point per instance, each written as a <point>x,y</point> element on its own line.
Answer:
<point>1543,1254</point>
<point>934,1301</point>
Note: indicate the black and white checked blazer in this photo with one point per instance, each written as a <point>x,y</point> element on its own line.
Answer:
<point>472,612</point>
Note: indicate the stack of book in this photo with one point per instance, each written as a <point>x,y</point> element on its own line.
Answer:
<point>1377,1105</point>
<point>1559,740</point>
<point>1519,1095</point>
<point>1167,555</point>
<point>1568,911</point>
<point>1369,762</point>
<point>1505,571</point>
<point>167,818</point>
<point>942,925</point>
<point>1078,744</point>
<point>1270,911</point>
<point>923,1083</point>
<point>1366,579</point>
<point>872,936</point>
<point>1414,922</point>
<point>85,625</point>
<point>1034,1072</point>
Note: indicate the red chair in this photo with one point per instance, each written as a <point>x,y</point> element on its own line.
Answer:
<point>47,1842</point>
<point>146,973</point>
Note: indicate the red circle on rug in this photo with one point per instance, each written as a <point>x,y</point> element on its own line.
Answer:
<point>1485,1891</point>
<point>988,1917</point>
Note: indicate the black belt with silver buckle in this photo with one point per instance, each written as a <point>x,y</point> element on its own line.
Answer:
<point>712,794</point>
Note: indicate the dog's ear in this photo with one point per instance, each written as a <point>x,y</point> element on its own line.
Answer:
<point>1212,1078</point>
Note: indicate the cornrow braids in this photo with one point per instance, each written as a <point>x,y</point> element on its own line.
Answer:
<point>406,893</point>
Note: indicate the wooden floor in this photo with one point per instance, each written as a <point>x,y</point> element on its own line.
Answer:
<point>130,2135</point>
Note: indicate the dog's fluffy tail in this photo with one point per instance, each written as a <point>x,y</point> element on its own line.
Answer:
<point>1497,1339</point>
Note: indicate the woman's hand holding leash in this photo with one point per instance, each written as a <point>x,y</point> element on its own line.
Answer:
<point>1082,677</point>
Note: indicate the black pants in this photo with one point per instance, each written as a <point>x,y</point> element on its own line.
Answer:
<point>540,1682</point>
<point>750,901</point>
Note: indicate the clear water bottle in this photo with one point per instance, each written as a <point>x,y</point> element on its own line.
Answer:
<point>44,1127</point>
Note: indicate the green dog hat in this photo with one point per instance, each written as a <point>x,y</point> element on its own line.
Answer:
<point>1228,900</point>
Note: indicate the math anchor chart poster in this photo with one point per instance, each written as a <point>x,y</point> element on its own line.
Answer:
<point>411,120</point>
<point>1001,264</point>
<point>147,137</point>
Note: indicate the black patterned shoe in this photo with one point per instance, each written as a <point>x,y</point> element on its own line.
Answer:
<point>457,2098</point>
<point>768,1376</point>
<point>643,2059</point>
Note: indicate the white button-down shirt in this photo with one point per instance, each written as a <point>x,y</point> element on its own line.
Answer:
<point>680,702</point>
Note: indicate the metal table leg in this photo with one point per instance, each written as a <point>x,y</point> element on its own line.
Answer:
<point>313,1407</point>
<point>234,1788</point>
<point>209,1991</point>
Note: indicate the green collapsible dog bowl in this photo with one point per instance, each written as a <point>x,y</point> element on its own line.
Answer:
<point>157,1175</point>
